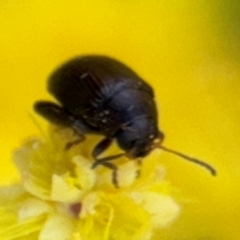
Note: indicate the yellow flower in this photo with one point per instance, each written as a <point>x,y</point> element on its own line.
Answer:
<point>187,50</point>
<point>61,197</point>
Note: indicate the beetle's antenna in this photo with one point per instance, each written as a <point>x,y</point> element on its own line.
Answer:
<point>194,160</point>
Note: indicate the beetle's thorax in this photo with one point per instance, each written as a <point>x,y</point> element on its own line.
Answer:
<point>143,147</point>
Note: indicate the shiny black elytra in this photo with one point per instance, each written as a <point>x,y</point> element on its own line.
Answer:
<point>100,95</point>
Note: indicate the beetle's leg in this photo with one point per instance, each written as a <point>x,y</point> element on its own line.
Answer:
<point>114,173</point>
<point>101,147</point>
<point>102,161</point>
<point>75,142</point>
<point>139,163</point>
<point>54,113</point>
<point>58,115</point>
<point>105,162</point>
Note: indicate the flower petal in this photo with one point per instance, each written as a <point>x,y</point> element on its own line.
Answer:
<point>89,204</point>
<point>63,190</point>
<point>33,207</point>
<point>86,177</point>
<point>11,227</point>
<point>38,161</point>
<point>57,226</point>
<point>163,208</point>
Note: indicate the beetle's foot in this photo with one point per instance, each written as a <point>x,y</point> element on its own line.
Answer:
<point>112,167</point>
<point>138,173</point>
<point>104,160</point>
<point>114,173</point>
<point>71,144</point>
<point>139,164</point>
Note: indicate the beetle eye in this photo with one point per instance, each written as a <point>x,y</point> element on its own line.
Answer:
<point>132,143</point>
<point>126,140</point>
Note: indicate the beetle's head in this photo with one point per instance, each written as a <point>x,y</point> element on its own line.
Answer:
<point>139,138</point>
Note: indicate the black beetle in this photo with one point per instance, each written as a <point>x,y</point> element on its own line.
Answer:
<point>100,95</point>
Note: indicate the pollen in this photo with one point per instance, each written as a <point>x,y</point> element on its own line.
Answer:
<point>61,197</point>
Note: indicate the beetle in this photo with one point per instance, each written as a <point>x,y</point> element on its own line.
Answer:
<point>100,95</point>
